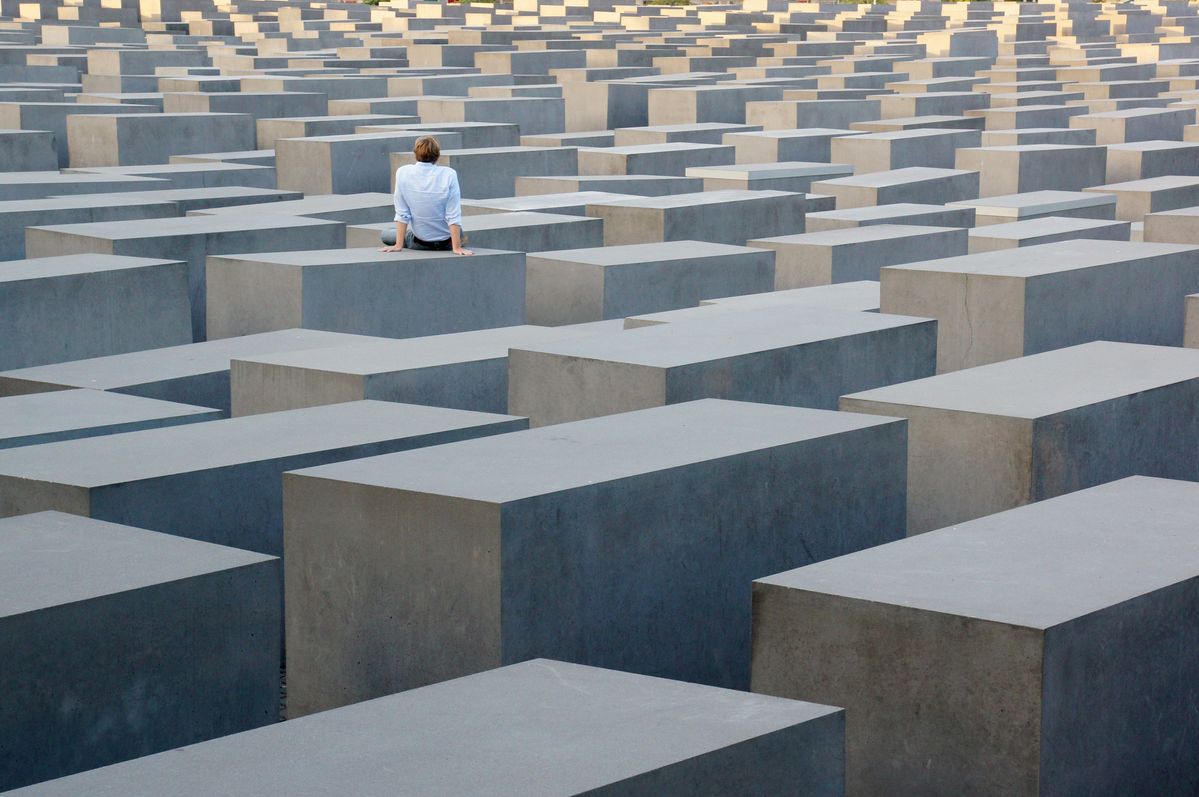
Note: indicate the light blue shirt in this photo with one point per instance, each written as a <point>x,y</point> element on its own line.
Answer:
<point>428,200</point>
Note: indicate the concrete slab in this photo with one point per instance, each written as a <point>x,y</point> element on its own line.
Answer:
<point>69,414</point>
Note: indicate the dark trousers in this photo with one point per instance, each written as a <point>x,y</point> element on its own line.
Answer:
<point>412,242</point>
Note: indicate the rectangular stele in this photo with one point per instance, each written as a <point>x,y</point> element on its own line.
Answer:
<point>119,642</point>
<point>541,727</point>
<point>625,542</point>
<point>772,355</point>
<point>219,481</point>
<point>998,305</point>
<point>1045,650</point>
<point>994,437</point>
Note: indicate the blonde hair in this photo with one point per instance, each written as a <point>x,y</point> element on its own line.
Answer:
<point>426,149</point>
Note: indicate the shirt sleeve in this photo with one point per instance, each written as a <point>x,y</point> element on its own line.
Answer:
<point>453,202</point>
<point>403,212</point>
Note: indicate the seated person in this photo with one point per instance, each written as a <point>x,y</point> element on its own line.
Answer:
<point>428,204</point>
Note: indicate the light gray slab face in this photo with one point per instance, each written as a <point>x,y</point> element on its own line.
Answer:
<point>645,253</point>
<point>1045,384</point>
<point>82,413</point>
<point>93,558</point>
<point>67,265</point>
<point>537,729</point>
<point>1035,566</point>
<point>155,365</point>
<point>117,459</point>
<point>584,452</point>
<point>1036,203</point>
<point>860,296</point>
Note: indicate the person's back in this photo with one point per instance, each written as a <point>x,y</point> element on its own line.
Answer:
<point>428,204</point>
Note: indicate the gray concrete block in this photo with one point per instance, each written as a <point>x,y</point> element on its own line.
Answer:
<point>54,309</point>
<point>1001,305</point>
<point>570,203</point>
<point>68,414</point>
<point>773,355</point>
<point>1191,338</point>
<point>1035,167</point>
<point>344,164</point>
<point>796,176</point>
<point>195,373</point>
<point>365,292</point>
<point>512,232</point>
<point>27,151</point>
<point>852,254</point>
<point>491,172</point>
<point>219,481</point>
<point>564,717</point>
<point>271,129</point>
<point>120,642</point>
<point>1045,230</point>
<point>52,117</point>
<point>1068,610</point>
<point>145,138</point>
<point>581,285</point>
<point>903,213</point>
<point>774,146</point>
<point>692,474</point>
<point>689,132</point>
<point>192,238</point>
<point>916,184</point>
<point>1173,226</point>
<point>1040,204</point>
<point>635,184</point>
<point>461,370</point>
<point>879,152</point>
<point>797,114</point>
<point>987,439</point>
<point>1137,198</point>
<point>1144,159</point>
<point>851,296</point>
<point>673,159</point>
<point>729,217</point>
<point>347,208</point>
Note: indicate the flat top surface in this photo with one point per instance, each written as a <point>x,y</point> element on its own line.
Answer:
<point>913,174</point>
<point>535,201</point>
<point>52,558</point>
<point>857,235</point>
<point>1051,258</point>
<point>505,221</point>
<point>1150,184</point>
<point>312,204</point>
<point>1035,202</point>
<point>1045,384</point>
<point>168,169</point>
<point>1043,225</point>
<point>536,729</point>
<point>859,295</point>
<point>64,410</point>
<point>726,335</point>
<point>896,211</point>
<point>385,355</point>
<point>702,198</point>
<point>66,180</point>
<point>129,457</point>
<point>640,149</point>
<point>1036,566</point>
<point>135,229</point>
<point>565,456</point>
<point>762,171</point>
<point>806,132</point>
<point>348,257</point>
<point>645,253</point>
<point>64,265</point>
<point>174,362</point>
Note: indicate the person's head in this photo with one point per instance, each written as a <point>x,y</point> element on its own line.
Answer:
<point>426,149</point>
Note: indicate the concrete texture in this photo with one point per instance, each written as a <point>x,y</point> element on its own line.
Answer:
<point>68,414</point>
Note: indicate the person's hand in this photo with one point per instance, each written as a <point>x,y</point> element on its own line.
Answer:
<point>396,248</point>
<point>461,251</point>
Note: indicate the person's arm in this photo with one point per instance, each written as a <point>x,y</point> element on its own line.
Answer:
<point>453,216</point>
<point>402,219</point>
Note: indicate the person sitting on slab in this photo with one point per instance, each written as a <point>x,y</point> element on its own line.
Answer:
<point>428,204</point>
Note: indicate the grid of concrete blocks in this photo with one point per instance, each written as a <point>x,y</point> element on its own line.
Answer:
<point>818,413</point>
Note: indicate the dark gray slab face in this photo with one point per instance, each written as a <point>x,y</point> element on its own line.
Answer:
<point>463,370</point>
<point>773,355</point>
<point>997,436</point>
<point>999,305</point>
<point>120,642</point>
<point>537,729</point>
<point>131,303</point>
<point>612,507</point>
<point>195,373</point>
<point>219,481</point>
<point>67,414</point>
<point>367,292</point>
<point>1070,610</point>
